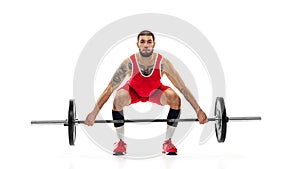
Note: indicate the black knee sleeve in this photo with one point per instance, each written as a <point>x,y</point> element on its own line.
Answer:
<point>118,115</point>
<point>173,114</point>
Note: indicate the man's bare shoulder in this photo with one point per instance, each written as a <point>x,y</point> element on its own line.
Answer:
<point>165,62</point>
<point>165,65</point>
<point>128,64</point>
<point>126,60</point>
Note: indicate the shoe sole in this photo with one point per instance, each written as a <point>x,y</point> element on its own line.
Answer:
<point>119,153</point>
<point>171,153</point>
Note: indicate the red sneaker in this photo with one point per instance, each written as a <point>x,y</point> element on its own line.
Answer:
<point>169,148</point>
<point>120,148</point>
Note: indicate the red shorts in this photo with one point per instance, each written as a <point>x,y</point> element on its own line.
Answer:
<point>154,96</point>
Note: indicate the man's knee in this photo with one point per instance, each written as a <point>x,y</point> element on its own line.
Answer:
<point>121,99</point>
<point>173,100</point>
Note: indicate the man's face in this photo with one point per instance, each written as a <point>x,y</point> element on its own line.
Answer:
<point>146,45</point>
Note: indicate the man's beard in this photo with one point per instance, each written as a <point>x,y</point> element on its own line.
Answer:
<point>146,54</point>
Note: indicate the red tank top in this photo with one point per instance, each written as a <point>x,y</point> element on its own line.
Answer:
<point>142,84</point>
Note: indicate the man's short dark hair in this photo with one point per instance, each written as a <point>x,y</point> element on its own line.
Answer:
<point>146,33</point>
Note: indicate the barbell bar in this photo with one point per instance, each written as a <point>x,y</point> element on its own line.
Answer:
<point>220,118</point>
<point>65,122</point>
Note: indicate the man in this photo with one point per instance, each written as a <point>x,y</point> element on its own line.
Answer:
<point>145,69</point>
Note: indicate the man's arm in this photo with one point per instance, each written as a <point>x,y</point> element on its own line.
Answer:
<point>118,77</point>
<point>124,69</point>
<point>174,77</point>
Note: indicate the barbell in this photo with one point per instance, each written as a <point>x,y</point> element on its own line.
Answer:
<point>220,118</point>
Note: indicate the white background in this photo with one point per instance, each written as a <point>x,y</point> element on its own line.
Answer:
<point>257,43</point>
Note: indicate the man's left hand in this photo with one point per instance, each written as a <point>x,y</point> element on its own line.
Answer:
<point>201,116</point>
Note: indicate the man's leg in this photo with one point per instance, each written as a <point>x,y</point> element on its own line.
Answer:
<point>170,97</point>
<point>121,100</point>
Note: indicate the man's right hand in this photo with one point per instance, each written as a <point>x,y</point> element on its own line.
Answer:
<point>90,119</point>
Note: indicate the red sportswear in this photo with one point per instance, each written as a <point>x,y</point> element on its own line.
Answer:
<point>145,88</point>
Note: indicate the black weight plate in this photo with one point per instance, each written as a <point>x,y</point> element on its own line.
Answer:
<point>71,122</point>
<point>220,125</point>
